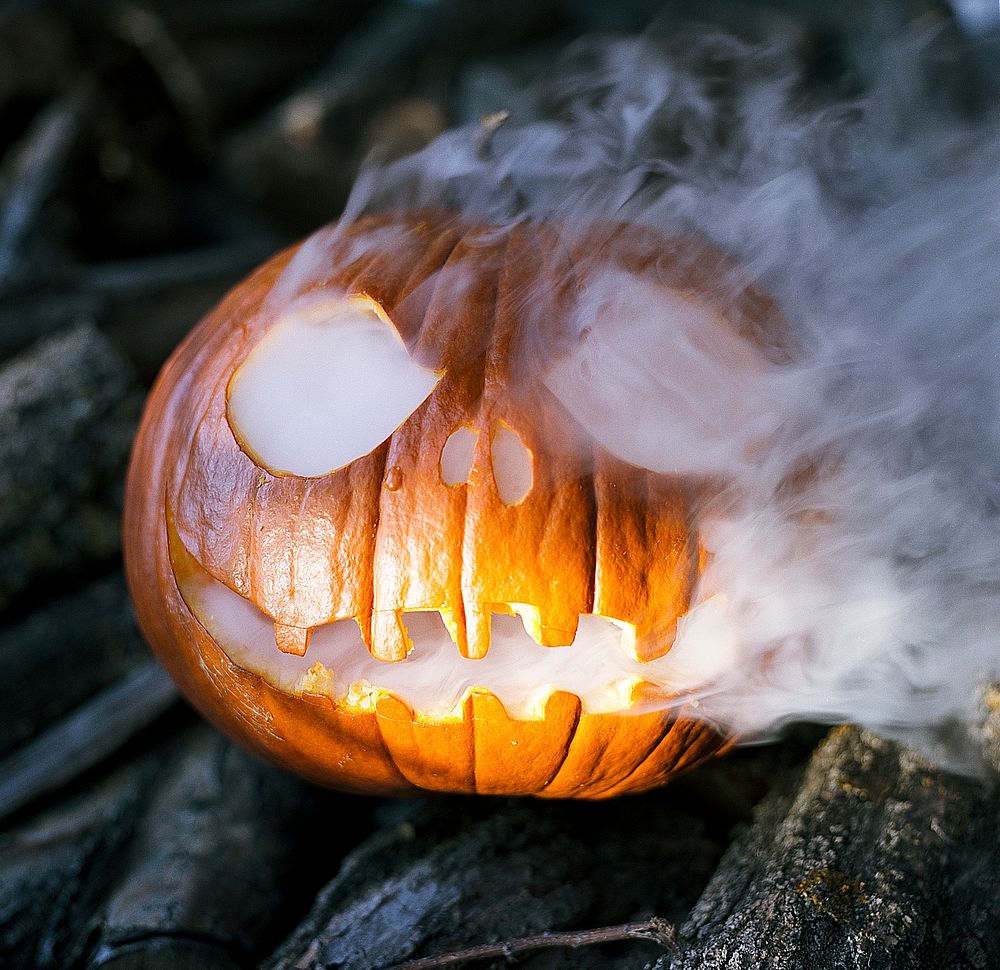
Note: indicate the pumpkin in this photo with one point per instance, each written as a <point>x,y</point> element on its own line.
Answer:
<point>363,534</point>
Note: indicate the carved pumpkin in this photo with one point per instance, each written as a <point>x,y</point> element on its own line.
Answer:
<point>351,475</point>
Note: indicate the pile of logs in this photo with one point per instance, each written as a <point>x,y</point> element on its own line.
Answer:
<point>150,154</point>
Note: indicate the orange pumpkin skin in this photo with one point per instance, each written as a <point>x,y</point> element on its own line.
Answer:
<point>593,535</point>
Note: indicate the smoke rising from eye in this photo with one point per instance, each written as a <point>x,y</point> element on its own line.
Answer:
<point>870,590</point>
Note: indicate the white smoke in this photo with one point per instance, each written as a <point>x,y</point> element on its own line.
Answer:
<point>869,592</point>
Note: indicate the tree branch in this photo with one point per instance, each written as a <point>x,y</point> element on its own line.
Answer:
<point>654,930</point>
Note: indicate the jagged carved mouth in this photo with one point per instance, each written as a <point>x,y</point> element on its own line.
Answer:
<point>434,678</point>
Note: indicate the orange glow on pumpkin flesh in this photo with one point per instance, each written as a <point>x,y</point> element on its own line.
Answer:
<point>369,543</point>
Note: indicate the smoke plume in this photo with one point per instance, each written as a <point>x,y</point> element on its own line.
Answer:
<point>870,591</point>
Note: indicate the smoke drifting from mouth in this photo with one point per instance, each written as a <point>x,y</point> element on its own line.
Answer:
<point>869,591</point>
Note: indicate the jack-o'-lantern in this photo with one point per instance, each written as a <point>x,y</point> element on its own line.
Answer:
<point>369,542</point>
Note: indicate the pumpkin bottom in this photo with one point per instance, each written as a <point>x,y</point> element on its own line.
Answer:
<point>563,753</point>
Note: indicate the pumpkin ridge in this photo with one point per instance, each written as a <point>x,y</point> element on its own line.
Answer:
<point>230,575</point>
<point>460,620</point>
<point>570,738</point>
<point>673,727</point>
<point>655,741</point>
<point>381,461</point>
<point>685,739</point>
<point>295,526</point>
<point>356,279</point>
<point>386,446</point>
<point>576,285</point>
<point>494,317</point>
<point>368,627</point>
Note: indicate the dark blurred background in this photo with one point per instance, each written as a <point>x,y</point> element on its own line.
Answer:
<point>153,152</point>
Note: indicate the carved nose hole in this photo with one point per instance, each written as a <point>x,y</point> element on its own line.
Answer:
<point>457,455</point>
<point>512,465</point>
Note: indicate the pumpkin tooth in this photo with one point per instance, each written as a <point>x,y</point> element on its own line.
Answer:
<point>627,635</point>
<point>390,641</point>
<point>477,633</point>
<point>655,644</point>
<point>553,628</point>
<point>456,628</point>
<point>291,639</point>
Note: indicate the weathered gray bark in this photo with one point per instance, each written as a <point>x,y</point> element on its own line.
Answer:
<point>94,731</point>
<point>28,315</point>
<point>225,852</point>
<point>457,872</point>
<point>68,409</point>
<point>152,303</point>
<point>54,870</point>
<point>990,726</point>
<point>34,170</point>
<point>876,860</point>
<point>296,160</point>
<point>58,657</point>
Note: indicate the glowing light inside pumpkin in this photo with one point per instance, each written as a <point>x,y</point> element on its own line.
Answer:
<point>434,678</point>
<point>328,384</point>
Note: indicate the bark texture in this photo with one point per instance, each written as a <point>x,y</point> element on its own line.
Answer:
<point>455,872</point>
<point>876,860</point>
<point>224,852</point>
<point>59,656</point>
<point>68,409</point>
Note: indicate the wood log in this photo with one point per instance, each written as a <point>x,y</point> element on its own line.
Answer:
<point>227,853</point>
<point>28,315</point>
<point>94,731</point>
<point>877,859</point>
<point>454,872</point>
<point>302,156</point>
<point>55,869</point>
<point>60,656</point>
<point>68,409</point>
<point>34,170</point>
<point>989,726</point>
<point>153,302</point>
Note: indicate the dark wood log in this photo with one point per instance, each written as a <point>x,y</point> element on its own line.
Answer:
<point>300,158</point>
<point>152,303</point>
<point>68,409</point>
<point>286,159</point>
<point>33,173</point>
<point>454,872</point>
<point>60,656</point>
<point>28,315</point>
<point>876,860</point>
<point>236,56</point>
<point>85,738</point>
<point>55,869</point>
<point>37,47</point>
<point>143,28</point>
<point>226,855</point>
<point>989,727</point>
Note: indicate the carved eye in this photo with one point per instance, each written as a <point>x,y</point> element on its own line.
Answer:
<point>327,385</point>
